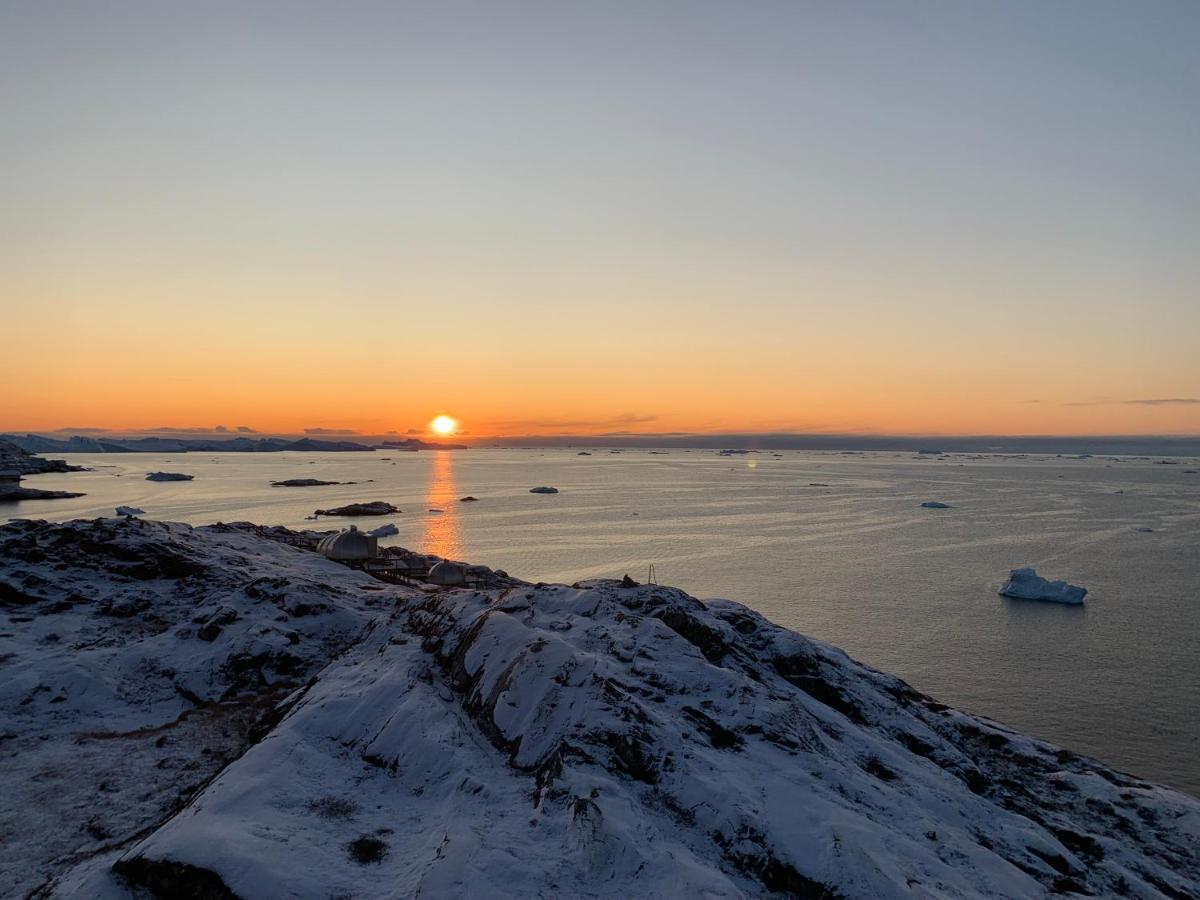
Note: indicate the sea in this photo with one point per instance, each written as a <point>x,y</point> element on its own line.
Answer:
<point>832,544</point>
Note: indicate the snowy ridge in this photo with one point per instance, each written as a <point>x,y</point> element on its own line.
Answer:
<point>545,740</point>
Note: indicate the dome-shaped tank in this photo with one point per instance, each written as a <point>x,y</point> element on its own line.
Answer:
<point>448,574</point>
<point>349,546</point>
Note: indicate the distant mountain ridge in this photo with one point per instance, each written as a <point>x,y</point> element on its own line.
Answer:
<point>36,443</point>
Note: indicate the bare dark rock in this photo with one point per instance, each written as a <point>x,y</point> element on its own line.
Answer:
<point>167,879</point>
<point>373,508</point>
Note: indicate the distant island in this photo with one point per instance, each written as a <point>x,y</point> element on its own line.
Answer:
<point>35,443</point>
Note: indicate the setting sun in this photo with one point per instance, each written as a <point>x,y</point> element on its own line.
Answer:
<point>443,425</point>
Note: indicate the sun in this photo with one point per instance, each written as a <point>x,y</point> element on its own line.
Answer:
<point>443,425</point>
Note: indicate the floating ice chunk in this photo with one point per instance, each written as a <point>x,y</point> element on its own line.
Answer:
<point>1026,584</point>
<point>130,511</point>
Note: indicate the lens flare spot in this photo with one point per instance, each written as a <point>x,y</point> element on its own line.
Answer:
<point>443,425</point>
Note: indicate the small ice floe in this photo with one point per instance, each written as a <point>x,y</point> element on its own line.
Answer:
<point>168,476</point>
<point>388,530</point>
<point>543,490</point>
<point>1026,584</point>
<point>130,511</point>
<point>935,504</point>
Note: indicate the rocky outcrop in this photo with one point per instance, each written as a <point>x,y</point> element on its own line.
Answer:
<point>303,482</point>
<point>1026,584</point>
<point>168,476</point>
<point>374,508</point>
<point>12,492</point>
<point>16,459</point>
<point>330,734</point>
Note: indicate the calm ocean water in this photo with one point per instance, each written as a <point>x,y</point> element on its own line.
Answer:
<point>855,561</point>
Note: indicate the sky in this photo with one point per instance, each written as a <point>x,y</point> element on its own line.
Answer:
<point>895,217</point>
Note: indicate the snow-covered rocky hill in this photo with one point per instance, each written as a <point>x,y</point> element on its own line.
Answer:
<point>207,712</point>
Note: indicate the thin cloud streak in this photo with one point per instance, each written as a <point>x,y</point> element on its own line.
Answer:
<point>624,419</point>
<point>1154,401</point>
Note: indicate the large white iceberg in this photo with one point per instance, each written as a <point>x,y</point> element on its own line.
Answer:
<point>1026,584</point>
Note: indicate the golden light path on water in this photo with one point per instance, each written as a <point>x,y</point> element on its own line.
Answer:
<point>442,534</point>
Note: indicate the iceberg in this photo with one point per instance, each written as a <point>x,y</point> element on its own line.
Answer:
<point>1026,584</point>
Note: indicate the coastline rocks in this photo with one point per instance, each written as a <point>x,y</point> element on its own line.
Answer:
<point>388,530</point>
<point>303,482</point>
<point>374,508</point>
<point>130,511</point>
<point>1026,584</point>
<point>168,476</point>
<point>332,731</point>
<point>14,492</point>
<point>935,504</point>
<point>543,490</point>
<point>23,462</point>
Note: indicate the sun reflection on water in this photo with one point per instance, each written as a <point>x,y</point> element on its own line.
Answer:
<point>442,534</point>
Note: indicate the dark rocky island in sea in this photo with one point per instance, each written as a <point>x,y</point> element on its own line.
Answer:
<point>413,444</point>
<point>16,463</point>
<point>373,508</point>
<point>305,482</point>
<point>220,712</point>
